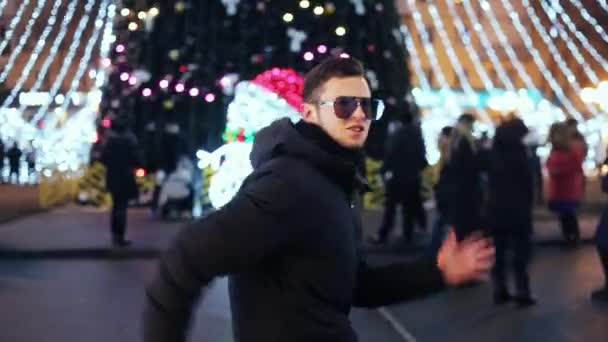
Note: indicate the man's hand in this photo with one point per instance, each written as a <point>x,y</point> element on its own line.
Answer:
<point>467,260</point>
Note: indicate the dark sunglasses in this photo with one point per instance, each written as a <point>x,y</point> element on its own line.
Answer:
<point>345,106</point>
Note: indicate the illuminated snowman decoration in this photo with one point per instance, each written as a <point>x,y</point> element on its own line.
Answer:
<point>272,95</point>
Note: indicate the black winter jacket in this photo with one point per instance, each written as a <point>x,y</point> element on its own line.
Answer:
<point>288,241</point>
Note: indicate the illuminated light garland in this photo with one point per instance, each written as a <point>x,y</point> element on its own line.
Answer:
<point>37,50</point>
<point>485,41</point>
<point>74,45</point>
<point>564,36</point>
<point>603,4</point>
<point>106,42</point>
<point>12,25</point>
<point>413,52</point>
<point>430,52</point>
<point>42,73</point>
<point>590,19</point>
<point>472,52</point>
<point>556,54</point>
<point>22,41</point>
<point>2,6</point>
<point>538,59</point>
<point>555,6</point>
<point>523,74</point>
<point>82,66</point>
<point>463,79</point>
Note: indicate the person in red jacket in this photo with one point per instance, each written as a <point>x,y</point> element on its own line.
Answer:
<point>565,180</point>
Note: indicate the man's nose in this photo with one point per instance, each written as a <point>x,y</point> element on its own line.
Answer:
<point>359,114</point>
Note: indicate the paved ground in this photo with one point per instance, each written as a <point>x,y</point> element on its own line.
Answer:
<point>61,281</point>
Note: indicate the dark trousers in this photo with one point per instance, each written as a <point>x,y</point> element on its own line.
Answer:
<point>438,234</point>
<point>569,223</point>
<point>118,222</point>
<point>521,246</point>
<point>410,199</point>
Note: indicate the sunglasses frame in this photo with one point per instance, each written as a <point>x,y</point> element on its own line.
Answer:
<point>379,109</point>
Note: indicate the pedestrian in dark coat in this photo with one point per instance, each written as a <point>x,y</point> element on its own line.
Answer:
<point>461,180</point>
<point>14,161</point>
<point>402,173</point>
<point>288,239</point>
<point>510,210</point>
<point>120,157</point>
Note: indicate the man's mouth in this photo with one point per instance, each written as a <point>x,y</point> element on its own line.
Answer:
<point>357,129</point>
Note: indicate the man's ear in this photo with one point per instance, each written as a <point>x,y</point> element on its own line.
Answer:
<point>309,113</point>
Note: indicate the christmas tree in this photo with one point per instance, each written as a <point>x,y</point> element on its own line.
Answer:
<point>176,64</point>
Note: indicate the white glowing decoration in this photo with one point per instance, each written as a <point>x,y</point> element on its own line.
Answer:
<point>564,36</point>
<point>67,61</point>
<point>590,19</point>
<point>563,66</point>
<point>231,6</point>
<point>23,39</point>
<point>430,51</point>
<point>462,77</point>
<point>557,8</point>
<point>536,56</point>
<point>36,53</point>
<point>255,107</point>
<point>230,175</point>
<point>297,38</point>
<point>416,63</point>
<point>359,6</point>
<point>12,25</point>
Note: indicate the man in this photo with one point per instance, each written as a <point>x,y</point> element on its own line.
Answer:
<point>288,239</point>
<point>119,155</point>
<point>402,173</point>
<point>14,162</point>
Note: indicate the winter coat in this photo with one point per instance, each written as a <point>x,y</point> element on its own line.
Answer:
<point>288,240</point>
<point>511,184</point>
<point>459,187</point>
<point>405,157</point>
<point>565,181</point>
<point>119,155</point>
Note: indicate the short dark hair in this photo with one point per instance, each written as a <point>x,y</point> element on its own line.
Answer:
<point>467,118</point>
<point>328,69</point>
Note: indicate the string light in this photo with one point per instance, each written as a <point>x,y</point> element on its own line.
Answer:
<point>42,73</point>
<point>523,74</point>
<point>590,19</point>
<point>430,52</point>
<point>553,49</point>
<point>340,30</point>
<point>603,4</point>
<point>465,37</point>
<point>288,17</point>
<point>463,79</point>
<point>67,61</point>
<point>556,7</point>
<point>538,59</point>
<point>305,4</point>
<point>411,48</point>
<point>36,52</point>
<point>84,62</point>
<point>22,41</point>
<point>2,6</point>
<point>12,25</point>
<point>104,50</point>
<point>318,10</point>
<point>488,47</point>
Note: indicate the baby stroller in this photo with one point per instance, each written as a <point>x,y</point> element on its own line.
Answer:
<point>176,198</point>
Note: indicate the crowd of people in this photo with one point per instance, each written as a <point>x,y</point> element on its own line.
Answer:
<point>489,183</point>
<point>16,158</point>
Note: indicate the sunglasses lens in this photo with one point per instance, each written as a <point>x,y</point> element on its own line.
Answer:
<point>345,106</point>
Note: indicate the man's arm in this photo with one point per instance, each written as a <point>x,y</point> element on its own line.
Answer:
<point>457,263</point>
<point>247,230</point>
<point>398,282</point>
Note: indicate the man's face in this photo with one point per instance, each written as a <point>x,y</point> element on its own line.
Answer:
<point>351,132</point>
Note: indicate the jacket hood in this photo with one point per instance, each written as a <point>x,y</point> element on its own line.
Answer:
<point>282,137</point>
